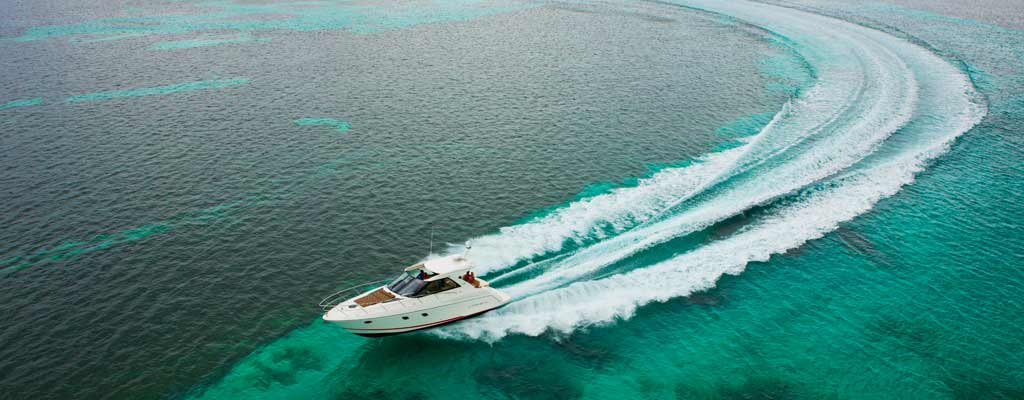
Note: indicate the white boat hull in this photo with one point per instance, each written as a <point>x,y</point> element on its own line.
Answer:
<point>410,314</point>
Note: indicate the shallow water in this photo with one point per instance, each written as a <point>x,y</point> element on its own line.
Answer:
<point>687,199</point>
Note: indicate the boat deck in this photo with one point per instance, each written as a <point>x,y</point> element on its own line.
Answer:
<point>374,297</point>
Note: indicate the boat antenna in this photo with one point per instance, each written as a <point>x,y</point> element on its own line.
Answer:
<point>431,251</point>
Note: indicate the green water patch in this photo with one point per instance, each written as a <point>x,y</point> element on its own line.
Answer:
<point>158,90</point>
<point>521,380</point>
<point>68,249</point>
<point>104,37</point>
<point>206,41</point>
<point>290,366</point>
<point>295,16</point>
<point>338,124</point>
<point>745,126</point>
<point>787,73</point>
<point>730,144</point>
<point>21,103</point>
<point>943,20</point>
<point>323,361</point>
<point>786,70</point>
<point>71,248</point>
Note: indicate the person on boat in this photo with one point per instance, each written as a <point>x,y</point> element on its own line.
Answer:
<point>470,278</point>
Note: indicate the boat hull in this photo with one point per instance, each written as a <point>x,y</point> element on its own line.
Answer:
<point>408,315</point>
<point>383,334</point>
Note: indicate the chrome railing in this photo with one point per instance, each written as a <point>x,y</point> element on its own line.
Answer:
<point>338,297</point>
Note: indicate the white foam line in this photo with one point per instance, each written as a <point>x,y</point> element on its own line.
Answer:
<point>606,300</point>
<point>625,208</point>
<point>596,302</point>
<point>890,94</point>
<point>589,217</point>
<point>948,109</point>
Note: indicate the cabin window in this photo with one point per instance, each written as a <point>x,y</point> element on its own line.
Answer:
<point>437,286</point>
<point>406,285</point>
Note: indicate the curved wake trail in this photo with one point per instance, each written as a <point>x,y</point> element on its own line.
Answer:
<point>857,83</point>
<point>832,144</point>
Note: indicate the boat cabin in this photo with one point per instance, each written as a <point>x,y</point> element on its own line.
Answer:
<point>434,276</point>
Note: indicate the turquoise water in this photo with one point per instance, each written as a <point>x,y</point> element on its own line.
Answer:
<point>686,199</point>
<point>205,40</point>
<point>21,103</point>
<point>166,89</point>
<point>337,124</point>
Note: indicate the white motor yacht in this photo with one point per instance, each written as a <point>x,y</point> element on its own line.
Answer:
<point>425,295</point>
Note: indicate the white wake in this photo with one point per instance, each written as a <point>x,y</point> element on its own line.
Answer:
<point>871,88</point>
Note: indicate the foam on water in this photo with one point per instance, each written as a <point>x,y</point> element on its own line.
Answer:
<point>593,217</point>
<point>878,93</point>
<point>881,109</point>
<point>598,217</point>
<point>816,148</point>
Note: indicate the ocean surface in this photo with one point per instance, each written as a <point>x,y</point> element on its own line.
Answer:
<point>686,199</point>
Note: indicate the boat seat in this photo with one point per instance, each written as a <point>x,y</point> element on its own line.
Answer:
<point>374,297</point>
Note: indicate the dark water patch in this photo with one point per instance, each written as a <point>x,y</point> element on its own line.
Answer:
<point>526,381</point>
<point>657,18</point>
<point>710,298</point>
<point>755,387</point>
<point>379,394</point>
<point>907,333</point>
<point>576,8</point>
<point>729,226</point>
<point>860,243</point>
<point>799,250</point>
<point>967,385</point>
<point>585,349</point>
<point>420,357</point>
<point>284,364</point>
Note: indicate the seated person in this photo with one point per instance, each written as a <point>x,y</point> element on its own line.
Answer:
<point>470,278</point>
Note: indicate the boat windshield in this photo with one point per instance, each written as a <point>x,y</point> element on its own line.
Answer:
<point>406,285</point>
<point>434,287</point>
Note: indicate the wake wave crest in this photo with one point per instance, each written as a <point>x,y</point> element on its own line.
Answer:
<point>871,88</point>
